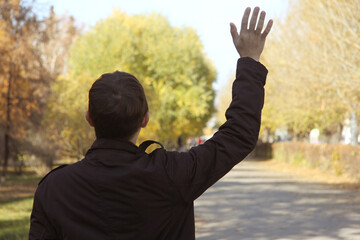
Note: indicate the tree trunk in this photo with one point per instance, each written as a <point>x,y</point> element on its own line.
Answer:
<point>354,129</point>
<point>6,158</point>
<point>7,128</point>
<point>339,133</point>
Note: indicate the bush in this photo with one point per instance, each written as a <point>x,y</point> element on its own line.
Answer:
<point>335,158</point>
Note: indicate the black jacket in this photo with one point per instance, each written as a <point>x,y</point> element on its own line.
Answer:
<point>119,192</point>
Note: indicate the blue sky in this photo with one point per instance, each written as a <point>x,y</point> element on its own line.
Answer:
<point>210,18</point>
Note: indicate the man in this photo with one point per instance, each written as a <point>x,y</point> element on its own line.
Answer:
<point>120,192</point>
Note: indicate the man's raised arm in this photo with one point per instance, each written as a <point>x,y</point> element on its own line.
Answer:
<point>202,166</point>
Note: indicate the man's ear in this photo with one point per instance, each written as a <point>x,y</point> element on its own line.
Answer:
<point>145,120</point>
<point>88,118</point>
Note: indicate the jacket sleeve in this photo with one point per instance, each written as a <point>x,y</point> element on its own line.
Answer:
<point>40,227</point>
<point>195,171</point>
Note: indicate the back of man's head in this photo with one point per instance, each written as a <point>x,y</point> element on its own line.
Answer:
<point>117,105</point>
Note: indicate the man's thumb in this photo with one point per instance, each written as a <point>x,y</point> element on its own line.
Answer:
<point>233,30</point>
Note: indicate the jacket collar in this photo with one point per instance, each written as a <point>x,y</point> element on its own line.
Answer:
<point>111,152</point>
<point>117,144</point>
<point>108,152</point>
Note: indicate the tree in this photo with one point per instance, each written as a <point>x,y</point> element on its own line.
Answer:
<point>168,61</point>
<point>20,81</point>
<point>57,34</point>
<point>30,61</point>
<point>314,76</point>
<point>223,101</point>
<point>339,24</point>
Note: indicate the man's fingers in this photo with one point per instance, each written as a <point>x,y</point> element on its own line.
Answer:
<point>233,31</point>
<point>254,18</point>
<point>261,22</point>
<point>245,19</point>
<point>268,28</point>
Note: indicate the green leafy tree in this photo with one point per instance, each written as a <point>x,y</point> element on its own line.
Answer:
<point>168,61</point>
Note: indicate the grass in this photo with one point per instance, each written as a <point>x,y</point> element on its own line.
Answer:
<point>16,199</point>
<point>14,219</point>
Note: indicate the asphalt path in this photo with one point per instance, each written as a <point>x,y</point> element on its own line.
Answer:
<point>254,203</point>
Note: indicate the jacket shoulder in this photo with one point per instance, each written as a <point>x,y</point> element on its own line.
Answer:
<point>55,169</point>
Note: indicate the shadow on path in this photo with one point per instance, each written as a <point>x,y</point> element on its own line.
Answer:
<point>250,203</point>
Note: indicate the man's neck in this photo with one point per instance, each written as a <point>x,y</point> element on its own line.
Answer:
<point>134,138</point>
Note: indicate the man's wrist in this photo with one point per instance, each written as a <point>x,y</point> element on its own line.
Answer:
<point>256,58</point>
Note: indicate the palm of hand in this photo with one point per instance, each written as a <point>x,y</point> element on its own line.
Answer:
<point>250,41</point>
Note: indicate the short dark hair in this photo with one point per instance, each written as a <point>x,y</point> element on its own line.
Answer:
<point>117,105</point>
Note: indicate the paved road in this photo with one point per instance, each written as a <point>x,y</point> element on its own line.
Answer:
<point>252,203</point>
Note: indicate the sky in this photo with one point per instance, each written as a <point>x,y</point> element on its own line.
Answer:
<point>210,18</point>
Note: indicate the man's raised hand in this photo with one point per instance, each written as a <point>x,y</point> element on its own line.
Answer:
<point>250,42</point>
